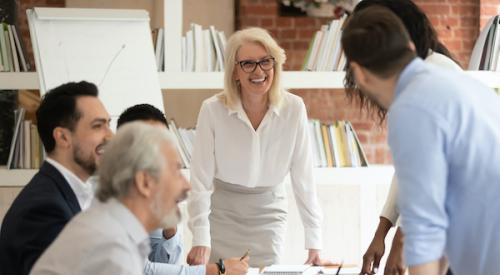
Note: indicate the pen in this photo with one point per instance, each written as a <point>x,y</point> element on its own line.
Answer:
<point>338,269</point>
<point>246,254</point>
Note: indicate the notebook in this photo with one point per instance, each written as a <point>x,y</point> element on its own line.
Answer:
<point>291,270</point>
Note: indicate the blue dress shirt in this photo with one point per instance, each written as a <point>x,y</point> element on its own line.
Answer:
<point>165,257</point>
<point>444,134</point>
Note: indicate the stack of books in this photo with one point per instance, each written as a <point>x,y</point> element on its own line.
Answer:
<point>26,149</point>
<point>184,139</point>
<point>325,50</point>
<point>333,145</point>
<point>336,145</point>
<point>202,49</point>
<point>12,53</point>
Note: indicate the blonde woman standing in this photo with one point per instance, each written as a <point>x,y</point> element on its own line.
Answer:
<point>248,138</point>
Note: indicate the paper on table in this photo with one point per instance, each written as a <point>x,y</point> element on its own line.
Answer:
<point>292,270</point>
<point>253,271</point>
<point>343,270</point>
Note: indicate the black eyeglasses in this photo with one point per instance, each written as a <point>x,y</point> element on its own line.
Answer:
<point>249,66</point>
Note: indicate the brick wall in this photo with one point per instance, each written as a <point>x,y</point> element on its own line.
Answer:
<point>457,24</point>
<point>488,8</point>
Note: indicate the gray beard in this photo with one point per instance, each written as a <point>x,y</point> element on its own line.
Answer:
<point>172,219</point>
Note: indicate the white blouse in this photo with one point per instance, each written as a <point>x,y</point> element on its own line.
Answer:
<point>228,148</point>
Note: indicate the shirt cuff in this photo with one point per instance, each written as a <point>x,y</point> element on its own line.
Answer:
<point>420,250</point>
<point>201,236</point>
<point>313,239</point>
<point>196,270</point>
<point>392,218</point>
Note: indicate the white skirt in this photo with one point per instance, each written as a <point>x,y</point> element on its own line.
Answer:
<point>245,218</point>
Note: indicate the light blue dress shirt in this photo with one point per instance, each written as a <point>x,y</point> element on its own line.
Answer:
<point>165,257</point>
<point>444,134</point>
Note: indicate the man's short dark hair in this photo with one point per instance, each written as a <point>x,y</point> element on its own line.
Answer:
<point>141,112</point>
<point>58,109</point>
<point>376,39</point>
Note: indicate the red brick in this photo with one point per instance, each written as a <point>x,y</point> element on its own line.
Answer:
<point>448,21</point>
<point>287,34</point>
<point>307,34</point>
<point>259,10</point>
<point>300,45</point>
<point>267,23</point>
<point>489,10</point>
<point>284,22</point>
<point>305,22</point>
<point>286,45</point>
<point>274,33</point>
<point>435,8</point>
<point>464,10</point>
<point>249,22</point>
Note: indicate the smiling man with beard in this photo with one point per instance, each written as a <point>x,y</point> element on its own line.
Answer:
<point>140,184</point>
<point>74,127</point>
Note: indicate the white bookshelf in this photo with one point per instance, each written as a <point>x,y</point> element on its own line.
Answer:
<point>214,80</point>
<point>16,81</point>
<point>379,174</point>
<point>15,177</point>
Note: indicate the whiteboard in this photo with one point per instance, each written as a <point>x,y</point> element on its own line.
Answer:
<point>110,48</point>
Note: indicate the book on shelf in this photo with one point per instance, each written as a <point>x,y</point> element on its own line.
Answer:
<point>219,50</point>
<point>325,50</point>
<point>159,46</point>
<point>26,150</point>
<point>336,145</point>
<point>12,53</point>
<point>202,50</point>
<point>183,141</point>
<point>332,145</point>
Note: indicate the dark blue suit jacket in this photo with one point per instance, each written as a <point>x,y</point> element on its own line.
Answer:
<point>34,220</point>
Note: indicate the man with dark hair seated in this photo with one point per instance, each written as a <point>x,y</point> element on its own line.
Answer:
<point>74,127</point>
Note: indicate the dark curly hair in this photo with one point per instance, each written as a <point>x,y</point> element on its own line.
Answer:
<point>421,33</point>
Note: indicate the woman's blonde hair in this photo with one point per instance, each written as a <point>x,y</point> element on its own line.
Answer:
<point>231,93</point>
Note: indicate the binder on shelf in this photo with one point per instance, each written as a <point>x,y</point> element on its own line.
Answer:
<point>20,50</point>
<point>15,60</point>
<point>362,155</point>
<point>203,49</point>
<point>219,51</point>
<point>336,145</point>
<point>19,116</point>
<point>181,148</point>
<point>26,143</point>
<point>3,48</point>
<point>189,51</point>
<point>325,50</point>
